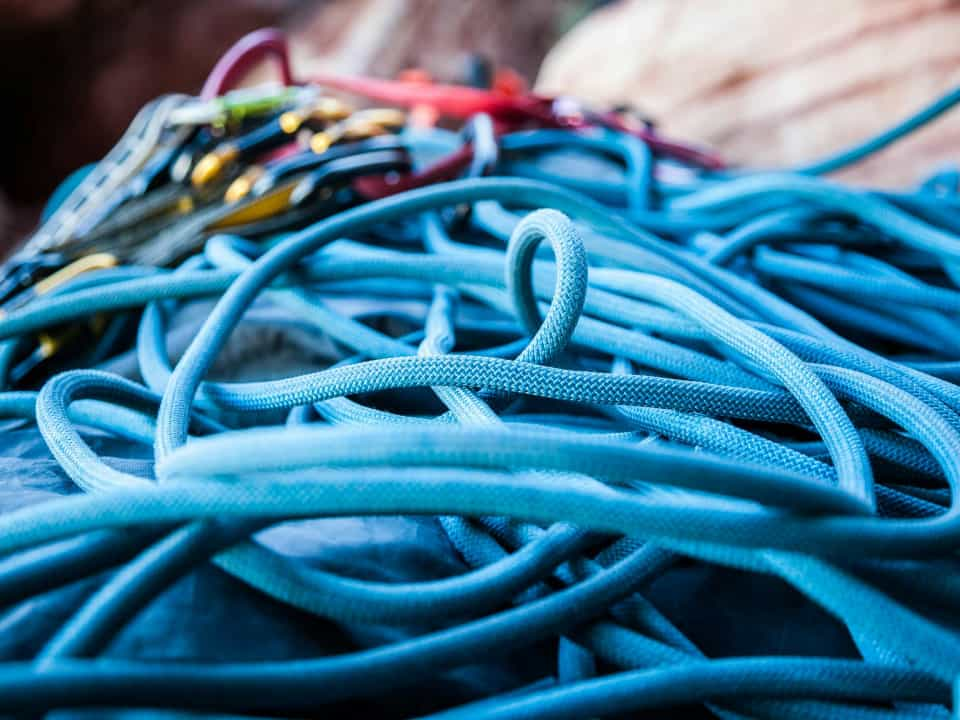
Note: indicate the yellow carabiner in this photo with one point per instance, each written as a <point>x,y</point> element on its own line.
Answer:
<point>242,186</point>
<point>255,209</point>
<point>325,110</point>
<point>360,125</point>
<point>48,342</point>
<point>211,165</point>
<point>94,261</point>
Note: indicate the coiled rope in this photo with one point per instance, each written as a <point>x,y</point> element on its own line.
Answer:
<point>606,374</point>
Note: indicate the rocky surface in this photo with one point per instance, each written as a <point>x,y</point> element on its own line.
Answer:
<point>776,82</point>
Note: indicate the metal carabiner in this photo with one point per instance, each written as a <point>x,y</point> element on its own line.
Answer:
<point>358,126</point>
<point>20,271</point>
<point>66,273</point>
<point>325,110</point>
<point>269,136</point>
<point>48,342</point>
<point>260,179</point>
<point>337,173</point>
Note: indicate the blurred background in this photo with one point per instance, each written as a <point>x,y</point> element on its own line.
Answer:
<point>766,82</point>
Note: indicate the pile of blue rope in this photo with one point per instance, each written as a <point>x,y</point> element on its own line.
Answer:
<point>667,440</point>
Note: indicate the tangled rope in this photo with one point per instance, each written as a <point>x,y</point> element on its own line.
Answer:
<point>608,366</point>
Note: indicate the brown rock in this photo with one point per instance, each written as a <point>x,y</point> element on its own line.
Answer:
<point>774,83</point>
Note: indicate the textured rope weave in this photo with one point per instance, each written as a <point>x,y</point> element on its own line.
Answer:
<point>611,367</point>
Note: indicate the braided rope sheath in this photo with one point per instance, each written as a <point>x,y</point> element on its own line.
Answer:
<point>749,371</point>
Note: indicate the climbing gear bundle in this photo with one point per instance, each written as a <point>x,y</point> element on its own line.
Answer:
<point>469,402</point>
